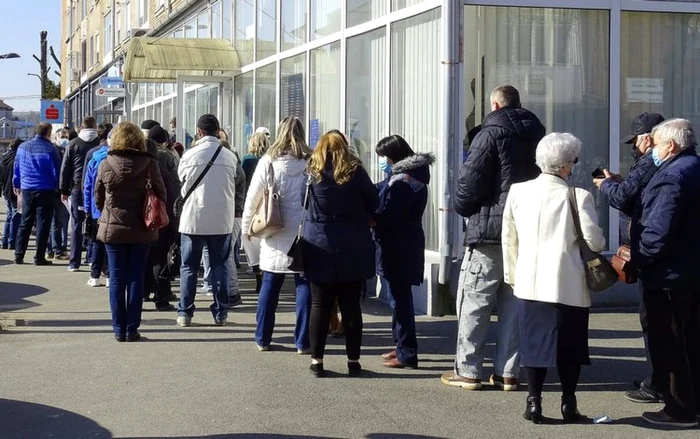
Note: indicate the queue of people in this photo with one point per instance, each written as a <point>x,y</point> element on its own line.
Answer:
<point>314,214</point>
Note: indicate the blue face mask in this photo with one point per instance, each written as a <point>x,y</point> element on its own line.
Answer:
<point>63,143</point>
<point>655,156</point>
<point>384,165</point>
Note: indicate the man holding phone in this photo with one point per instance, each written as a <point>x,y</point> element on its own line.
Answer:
<point>625,195</point>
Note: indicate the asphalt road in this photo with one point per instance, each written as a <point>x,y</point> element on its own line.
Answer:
<point>63,375</point>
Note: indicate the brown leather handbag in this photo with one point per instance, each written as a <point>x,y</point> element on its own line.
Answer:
<point>155,214</point>
<point>267,219</point>
<point>621,262</point>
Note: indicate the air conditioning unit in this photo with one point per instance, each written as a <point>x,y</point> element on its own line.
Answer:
<point>138,32</point>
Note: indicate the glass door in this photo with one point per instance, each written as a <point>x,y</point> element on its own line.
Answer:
<point>202,95</point>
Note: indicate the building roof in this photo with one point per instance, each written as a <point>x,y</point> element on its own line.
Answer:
<point>4,106</point>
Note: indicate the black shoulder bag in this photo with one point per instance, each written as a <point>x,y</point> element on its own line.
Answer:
<point>296,252</point>
<point>180,201</point>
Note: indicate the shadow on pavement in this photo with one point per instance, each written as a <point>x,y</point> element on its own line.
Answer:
<point>13,296</point>
<point>37,420</point>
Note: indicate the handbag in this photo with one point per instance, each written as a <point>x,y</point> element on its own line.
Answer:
<point>180,201</point>
<point>267,219</point>
<point>622,263</point>
<point>600,273</point>
<point>155,214</point>
<point>296,252</point>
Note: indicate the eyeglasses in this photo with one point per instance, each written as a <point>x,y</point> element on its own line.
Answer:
<point>64,137</point>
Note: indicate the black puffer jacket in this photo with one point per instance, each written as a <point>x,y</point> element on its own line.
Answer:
<point>7,169</point>
<point>73,164</point>
<point>502,153</point>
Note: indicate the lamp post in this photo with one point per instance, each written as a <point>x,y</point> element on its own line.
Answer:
<point>9,55</point>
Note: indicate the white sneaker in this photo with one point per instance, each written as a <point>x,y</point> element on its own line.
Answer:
<point>94,282</point>
<point>184,321</point>
<point>107,283</point>
<point>73,270</point>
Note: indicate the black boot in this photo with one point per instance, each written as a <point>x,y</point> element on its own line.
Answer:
<point>569,410</point>
<point>533,410</point>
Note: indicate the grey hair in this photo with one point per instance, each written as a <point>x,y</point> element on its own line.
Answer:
<point>556,150</point>
<point>678,130</point>
<point>506,96</point>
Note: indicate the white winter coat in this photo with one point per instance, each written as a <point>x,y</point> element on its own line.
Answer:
<point>210,208</point>
<point>541,258</point>
<point>290,179</point>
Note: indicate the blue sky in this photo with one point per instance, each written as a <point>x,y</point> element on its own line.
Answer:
<point>21,21</point>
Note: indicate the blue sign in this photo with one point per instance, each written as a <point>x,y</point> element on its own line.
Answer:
<point>111,80</point>
<point>51,111</point>
<point>313,133</point>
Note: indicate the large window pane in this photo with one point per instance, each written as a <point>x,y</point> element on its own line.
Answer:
<point>660,66</point>
<point>325,18</point>
<point>244,34</point>
<point>168,114</point>
<point>325,92</point>
<point>242,110</point>
<point>267,29</point>
<point>293,23</point>
<point>559,61</point>
<point>216,20</point>
<point>415,97</point>
<point>203,30</point>
<point>400,4</point>
<point>292,93</point>
<point>265,97</point>
<point>227,6</point>
<point>191,28</point>
<point>360,11</point>
<point>366,108</point>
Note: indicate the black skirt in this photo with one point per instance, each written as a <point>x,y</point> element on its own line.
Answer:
<point>550,332</point>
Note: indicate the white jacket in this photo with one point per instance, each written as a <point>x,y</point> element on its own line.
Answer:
<point>210,208</point>
<point>541,258</point>
<point>291,180</point>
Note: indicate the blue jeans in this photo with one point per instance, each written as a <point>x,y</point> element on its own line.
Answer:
<point>59,228</point>
<point>9,236</point>
<point>219,247</point>
<point>267,305</point>
<point>77,214</point>
<point>37,206</point>
<point>127,264</point>
<point>98,263</point>
<point>403,321</point>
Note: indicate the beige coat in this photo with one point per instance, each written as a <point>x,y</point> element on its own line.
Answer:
<point>540,255</point>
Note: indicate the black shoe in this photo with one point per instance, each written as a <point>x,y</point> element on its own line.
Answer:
<point>569,410</point>
<point>354,368</point>
<point>42,262</point>
<point>533,410</point>
<point>173,298</point>
<point>133,337</point>
<point>5,246</point>
<point>120,337</point>
<point>235,300</point>
<point>662,418</point>
<point>317,370</point>
<point>637,384</point>
<point>165,307</point>
<point>643,395</point>
<point>19,261</point>
<point>50,255</point>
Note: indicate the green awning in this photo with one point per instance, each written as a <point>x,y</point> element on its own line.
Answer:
<point>163,59</point>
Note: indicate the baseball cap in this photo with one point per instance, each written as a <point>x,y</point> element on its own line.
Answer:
<point>208,123</point>
<point>642,124</point>
<point>263,130</point>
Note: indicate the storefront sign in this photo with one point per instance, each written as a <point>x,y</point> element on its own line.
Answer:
<point>51,111</point>
<point>646,90</point>
<point>111,80</point>
<point>111,92</point>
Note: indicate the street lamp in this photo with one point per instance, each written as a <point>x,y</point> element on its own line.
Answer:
<point>9,55</point>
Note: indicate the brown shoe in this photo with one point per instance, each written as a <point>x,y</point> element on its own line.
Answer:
<point>389,355</point>
<point>454,380</point>
<point>394,363</point>
<point>505,383</point>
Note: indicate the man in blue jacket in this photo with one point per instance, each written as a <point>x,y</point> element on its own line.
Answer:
<point>665,246</point>
<point>626,196</point>
<point>37,166</point>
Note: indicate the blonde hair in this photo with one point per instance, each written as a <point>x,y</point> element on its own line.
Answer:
<point>258,144</point>
<point>344,163</point>
<point>126,135</point>
<point>290,140</point>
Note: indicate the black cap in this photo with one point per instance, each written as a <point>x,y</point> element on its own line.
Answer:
<point>148,124</point>
<point>158,134</point>
<point>642,124</point>
<point>209,124</point>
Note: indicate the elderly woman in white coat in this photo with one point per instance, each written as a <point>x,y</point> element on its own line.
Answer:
<point>288,155</point>
<point>543,263</point>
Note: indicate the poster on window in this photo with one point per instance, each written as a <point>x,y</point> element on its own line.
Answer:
<point>645,90</point>
<point>293,104</point>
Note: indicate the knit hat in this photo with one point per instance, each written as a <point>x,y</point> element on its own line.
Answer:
<point>148,124</point>
<point>158,134</point>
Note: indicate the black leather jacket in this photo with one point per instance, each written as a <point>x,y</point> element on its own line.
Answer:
<point>73,163</point>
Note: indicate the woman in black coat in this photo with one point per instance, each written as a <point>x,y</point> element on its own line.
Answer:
<point>338,249</point>
<point>7,169</point>
<point>403,196</point>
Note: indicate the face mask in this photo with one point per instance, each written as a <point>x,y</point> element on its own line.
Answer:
<point>384,165</point>
<point>63,143</point>
<point>637,154</point>
<point>655,156</point>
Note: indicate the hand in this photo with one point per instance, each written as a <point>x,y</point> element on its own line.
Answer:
<point>616,177</point>
<point>18,192</point>
<point>598,182</point>
<point>64,198</point>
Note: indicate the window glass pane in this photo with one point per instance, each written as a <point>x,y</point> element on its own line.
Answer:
<point>244,35</point>
<point>660,65</point>
<point>227,6</point>
<point>325,92</point>
<point>190,114</point>
<point>243,110</point>
<point>214,103</point>
<point>360,11</point>
<point>365,96</point>
<point>159,89</point>
<point>202,102</point>
<point>415,97</point>
<point>203,25</point>
<point>158,113</point>
<point>168,114</point>
<point>400,4</point>
<point>149,113</point>
<point>191,28</point>
<point>179,33</point>
<point>325,18</point>
<point>559,61</point>
<point>265,94</point>
<point>216,20</point>
<point>267,29</point>
<point>292,83</point>
<point>293,23</point>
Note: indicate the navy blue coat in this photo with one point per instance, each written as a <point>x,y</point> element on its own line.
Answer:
<point>666,252</point>
<point>626,196</point>
<point>338,242</point>
<point>399,231</point>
